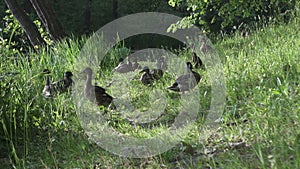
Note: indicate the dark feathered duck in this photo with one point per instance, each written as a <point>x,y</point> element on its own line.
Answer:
<point>61,86</point>
<point>65,84</point>
<point>187,81</point>
<point>148,76</point>
<point>93,93</point>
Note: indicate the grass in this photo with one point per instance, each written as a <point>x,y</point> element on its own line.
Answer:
<point>259,126</point>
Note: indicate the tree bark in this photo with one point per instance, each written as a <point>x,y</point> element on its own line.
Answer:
<point>46,14</point>
<point>29,27</point>
<point>27,6</point>
<point>115,9</point>
<point>87,17</point>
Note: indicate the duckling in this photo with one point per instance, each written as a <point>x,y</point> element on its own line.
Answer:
<point>146,78</point>
<point>61,86</point>
<point>158,72</point>
<point>185,82</point>
<point>123,67</point>
<point>65,84</point>
<point>149,76</point>
<point>197,61</point>
<point>95,94</point>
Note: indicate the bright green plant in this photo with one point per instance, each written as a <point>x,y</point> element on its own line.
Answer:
<point>225,16</point>
<point>14,37</point>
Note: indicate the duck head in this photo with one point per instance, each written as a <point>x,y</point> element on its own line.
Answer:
<point>189,65</point>
<point>121,60</point>
<point>68,74</point>
<point>146,70</point>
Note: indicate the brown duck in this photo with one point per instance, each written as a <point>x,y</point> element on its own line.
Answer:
<point>185,82</point>
<point>61,86</point>
<point>65,84</point>
<point>148,77</point>
<point>95,94</point>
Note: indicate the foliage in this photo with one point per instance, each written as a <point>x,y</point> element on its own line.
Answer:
<point>14,37</point>
<point>226,16</point>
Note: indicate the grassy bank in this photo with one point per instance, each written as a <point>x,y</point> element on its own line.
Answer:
<point>259,127</point>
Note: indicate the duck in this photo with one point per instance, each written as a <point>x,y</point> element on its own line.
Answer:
<point>123,67</point>
<point>197,61</point>
<point>148,76</point>
<point>61,86</point>
<point>65,84</point>
<point>93,93</point>
<point>183,83</point>
<point>158,72</point>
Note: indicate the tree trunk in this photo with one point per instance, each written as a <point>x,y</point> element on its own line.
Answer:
<point>46,14</point>
<point>27,6</point>
<point>115,9</point>
<point>29,27</point>
<point>87,17</point>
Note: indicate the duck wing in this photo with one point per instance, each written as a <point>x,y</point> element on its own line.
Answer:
<point>146,78</point>
<point>99,89</point>
<point>103,99</point>
<point>63,85</point>
<point>185,82</point>
<point>98,95</point>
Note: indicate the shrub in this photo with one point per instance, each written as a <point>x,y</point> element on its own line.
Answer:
<point>214,16</point>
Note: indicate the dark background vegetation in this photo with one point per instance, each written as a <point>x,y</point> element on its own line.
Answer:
<point>217,17</point>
